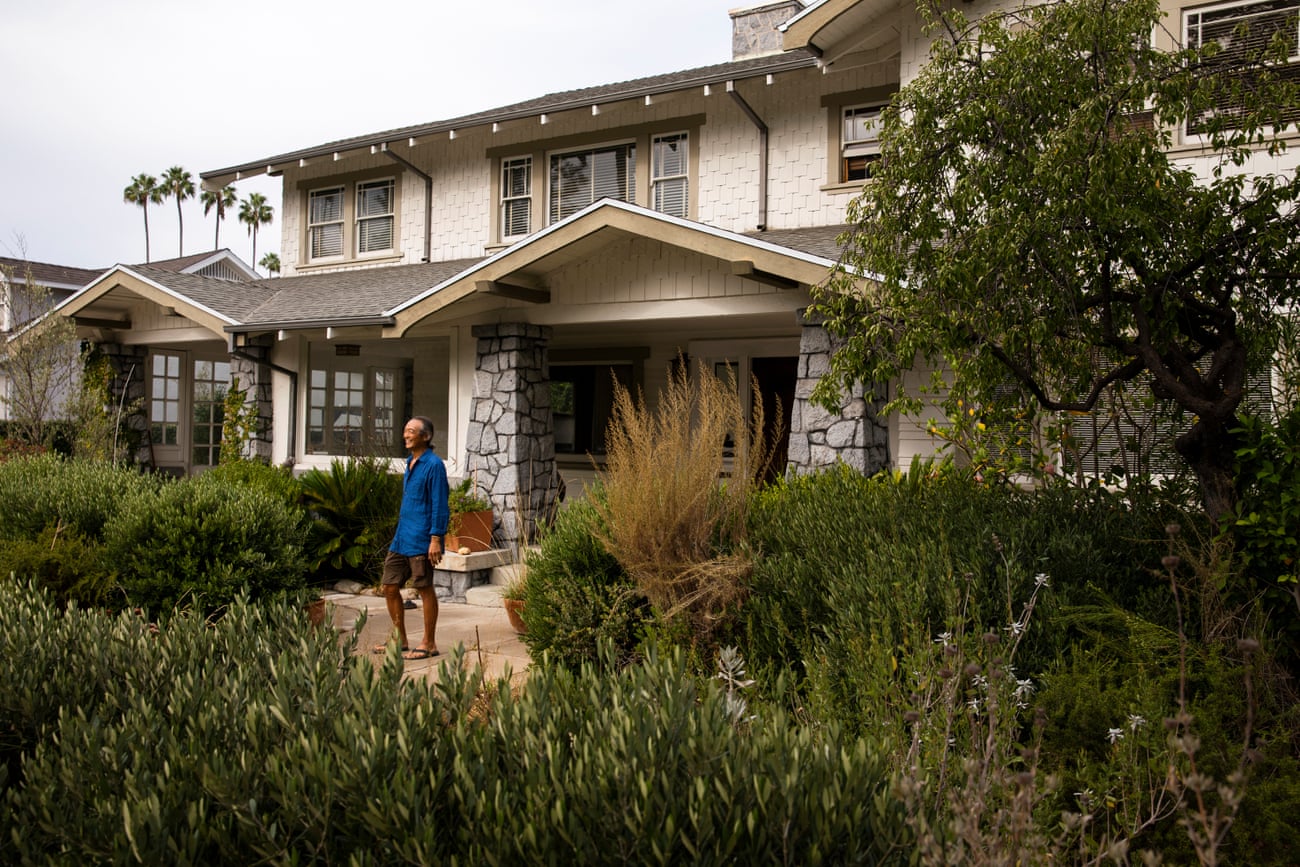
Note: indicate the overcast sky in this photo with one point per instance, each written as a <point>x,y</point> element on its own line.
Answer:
<point>97,92</point>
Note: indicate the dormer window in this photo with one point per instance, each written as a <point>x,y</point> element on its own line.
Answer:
<point>350,218</point>
<point>860,143</point>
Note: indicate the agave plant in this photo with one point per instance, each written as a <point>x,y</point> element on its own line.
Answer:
<point>354,508</point>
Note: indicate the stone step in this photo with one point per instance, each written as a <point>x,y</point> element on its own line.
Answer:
<point>484,596</point>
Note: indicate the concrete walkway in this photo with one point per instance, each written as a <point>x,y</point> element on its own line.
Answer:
<point>479,625</point>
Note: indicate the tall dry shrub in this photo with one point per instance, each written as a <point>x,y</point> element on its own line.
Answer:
<point>674,514</point>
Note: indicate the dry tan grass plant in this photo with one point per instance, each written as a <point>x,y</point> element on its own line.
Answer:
<point>674,510</point>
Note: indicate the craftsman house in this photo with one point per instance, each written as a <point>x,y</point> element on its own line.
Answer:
<point>499,271</point>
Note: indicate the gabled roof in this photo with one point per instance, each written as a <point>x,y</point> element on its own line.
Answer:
<point>210,302</point>
<point>196,262</point>
<point>520,271</point>
<point>846,33</point>
<point>52,276</point>
<point>572,99</point>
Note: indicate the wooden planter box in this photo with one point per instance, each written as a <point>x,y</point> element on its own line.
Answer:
<point>473,530</point>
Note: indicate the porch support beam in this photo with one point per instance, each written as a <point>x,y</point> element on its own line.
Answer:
<point>519,290</point>
<point>745,268</point>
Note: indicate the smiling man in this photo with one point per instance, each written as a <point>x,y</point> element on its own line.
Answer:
<point>417,544</point>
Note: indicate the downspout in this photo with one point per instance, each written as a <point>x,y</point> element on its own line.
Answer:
<point>428,198</point>
<point>762,153</point>
<point>291,456</point>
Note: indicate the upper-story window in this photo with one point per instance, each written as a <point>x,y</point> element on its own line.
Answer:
<point>375,216</point>
<point>325,223</point>
<point>516,196</point>
<point>859,142</point>
<point>1243,29</point>
<point>350,218</point>
<point>579,178</point>
<point>669,178</point>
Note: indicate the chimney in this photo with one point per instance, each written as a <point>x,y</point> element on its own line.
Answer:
<point>753,28</point>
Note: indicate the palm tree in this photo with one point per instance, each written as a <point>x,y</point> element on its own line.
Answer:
<point>179,184</point>
<point>143,190</point>
<point>221,200</point>
<point>254,212</point>
<point>271,262</point>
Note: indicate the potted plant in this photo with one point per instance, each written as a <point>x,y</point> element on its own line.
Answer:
<point>512,600</point>
<point>471,520</point>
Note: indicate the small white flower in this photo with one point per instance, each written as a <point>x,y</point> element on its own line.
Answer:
<point>1040,580</point>
<point>943,638</point>
<point>1115,735</point>
<point>1135,722</point>
<point>974,704</point>
<point>1015,628</point>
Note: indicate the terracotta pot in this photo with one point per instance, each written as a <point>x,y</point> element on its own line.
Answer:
<point>316,612</point>
<point>514,610</point>
<point>473,531</point>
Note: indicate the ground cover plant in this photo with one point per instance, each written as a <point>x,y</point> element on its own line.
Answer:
<point>255,739</point>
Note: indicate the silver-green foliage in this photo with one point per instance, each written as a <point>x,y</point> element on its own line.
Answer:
<point>254,740</point>
<point>48,490</point>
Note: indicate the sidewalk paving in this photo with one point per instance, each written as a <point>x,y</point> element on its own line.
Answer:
<point>483,630</point>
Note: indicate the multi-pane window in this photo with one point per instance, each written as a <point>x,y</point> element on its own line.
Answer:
<point>325,223</point>
<point>859,143</point>
<point>211,382</point>
<point>1243,31</point>
<point>165,399</point>
<point>375,216</point>
<point>669,179</point>
<point>516,196</point>
<point>353,411</point>
<point>579,178</point>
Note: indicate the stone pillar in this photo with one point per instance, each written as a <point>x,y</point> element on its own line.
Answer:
<point>857,435</point>
<point>250,372</point>
<point>510,442</point>
<point>127,388</point>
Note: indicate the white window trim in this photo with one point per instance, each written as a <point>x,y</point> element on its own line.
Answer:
<point>391,216</point>
<point>506,163</point>
<point>684,175</point>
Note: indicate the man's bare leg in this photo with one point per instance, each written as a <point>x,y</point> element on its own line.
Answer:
<point>396,611</point>
<point>429,603</point>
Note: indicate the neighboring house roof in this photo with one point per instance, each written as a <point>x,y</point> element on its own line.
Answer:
<point>347,297</point>
<point>555,102</point>
<point>52,276</point>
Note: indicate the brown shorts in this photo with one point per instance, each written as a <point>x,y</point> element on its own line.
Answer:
<point>398,568</point>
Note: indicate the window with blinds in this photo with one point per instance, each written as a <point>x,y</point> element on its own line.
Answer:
<point>579,178</point>
<point>859,143</point>
<point>325,223</point>
<point>669,184</point>
<point>516,197</point>
<point>375,216</point>
<point>1243,31</point>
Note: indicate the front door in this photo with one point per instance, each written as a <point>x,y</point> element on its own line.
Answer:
<point>186,410</point>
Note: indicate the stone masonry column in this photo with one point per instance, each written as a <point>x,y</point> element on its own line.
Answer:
<point>127,389</point>
<point>857,435</point>
<point>510,442</point>
<point>249,371</point>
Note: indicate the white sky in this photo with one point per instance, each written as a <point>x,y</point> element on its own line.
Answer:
<point>94,93</point>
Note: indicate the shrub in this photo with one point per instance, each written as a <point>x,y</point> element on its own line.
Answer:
<point>577,597</point>
<point>66,564</point>
<point>278,482</point>
<point>353,510</point>
<point>254,740</point>
<point>205,541</point>
<point>77,496</point>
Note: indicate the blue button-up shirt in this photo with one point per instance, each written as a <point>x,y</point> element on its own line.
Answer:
<point>424,513</point>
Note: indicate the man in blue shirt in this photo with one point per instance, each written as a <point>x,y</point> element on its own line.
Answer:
<point>417,545</point>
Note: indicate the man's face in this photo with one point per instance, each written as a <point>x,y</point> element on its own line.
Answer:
<point>413,435</point>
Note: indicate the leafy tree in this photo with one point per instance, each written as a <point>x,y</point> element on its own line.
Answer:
<point>271,262</point>
<point>1026,222</point>
<point>222,199</point>
<point>39,359</point>
<point>254,212</point>
<point>179,184</point>
<point>144,191</point>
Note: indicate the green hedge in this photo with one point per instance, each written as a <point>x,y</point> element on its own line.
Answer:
<point>78,496</point>
<point>577,597</point>
<point>256,739</point>
<point>205,542</point>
